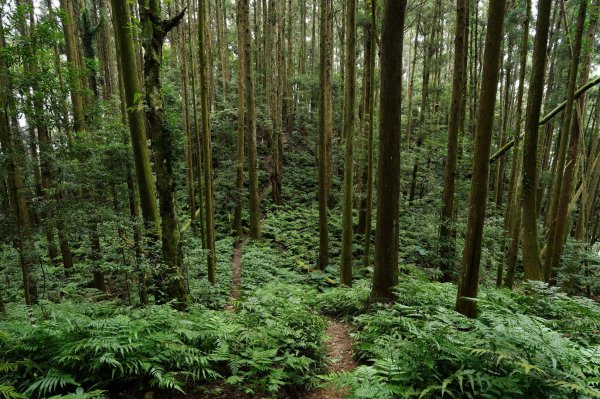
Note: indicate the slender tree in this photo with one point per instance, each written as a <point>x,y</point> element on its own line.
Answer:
<point>469,278</point>
<point>22,240</point>
<point>325,130</point>
<point>239,182</point>
<point>446,228</point>
<point>385,275</point>
<point>366,207</point>
<point>204,55</point>
<point>512,218</point>
<point>555,249</point>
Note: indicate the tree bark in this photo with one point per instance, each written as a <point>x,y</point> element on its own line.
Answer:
<point>556,219</point>
<point>555,248</point>
<point>469,279</point>
<point>512,217</point>
<point>325,131</point>
<point>385,275</point>
<point>349,105</point>
<point>204,56</point>
<point>237,220</point>
<point>447,231</point>
<point>531,261</point>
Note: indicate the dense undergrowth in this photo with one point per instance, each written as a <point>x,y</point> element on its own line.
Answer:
<point>541,344</point>
<point>534,342</point>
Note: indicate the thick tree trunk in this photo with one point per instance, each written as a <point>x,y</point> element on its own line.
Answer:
<point>531,261</point>
<point>128,69</point>
<point>154,32</point>
<point>469,279</point>
<point>325,131</point>
<point>385,275</point>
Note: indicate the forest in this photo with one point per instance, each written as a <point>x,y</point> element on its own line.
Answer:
<point>316,199</point>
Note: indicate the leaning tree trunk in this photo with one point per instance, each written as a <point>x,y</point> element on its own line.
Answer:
<point>469,278</point>
<point>555,249</point>
<point>554,234</point>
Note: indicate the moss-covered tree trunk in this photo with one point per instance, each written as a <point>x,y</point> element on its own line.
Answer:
<point>469,278</point>
<point>385,275</point>
<point>325,131</point>
<point>154,31</point>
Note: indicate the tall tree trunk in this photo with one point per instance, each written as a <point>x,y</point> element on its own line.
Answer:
<point>469,278</point>
<point>531,261</point>
<point>250,124</point>
<point>302,53</point>
<point>385,275</point>
<point>22,240</point>
<point>239,181</point>
<point>370,34</point>
<point>411,83</point>
<point>555,248</point>
<point>74,59</point>
<point>512,217</point>
<point>349,105</point>
<point>154,31</point>
<point>583,216</point>
<point>186,123</point>
<point>555,216</point>
<point>325,131</point>
<point>126,55</point>
<point>447,231</point>
<point>204,55</point>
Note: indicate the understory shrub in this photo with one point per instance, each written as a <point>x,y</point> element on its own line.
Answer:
<point>420,347</point>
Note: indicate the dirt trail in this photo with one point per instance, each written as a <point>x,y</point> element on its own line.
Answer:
<point>238,246</point>
<point>339,352</point>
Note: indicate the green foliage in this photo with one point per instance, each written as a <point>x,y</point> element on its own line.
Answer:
<point>420,347</point>
<point>281,341</point>
<point>99,346</point>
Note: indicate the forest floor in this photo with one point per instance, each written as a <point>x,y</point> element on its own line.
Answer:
<point>340,357</point>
